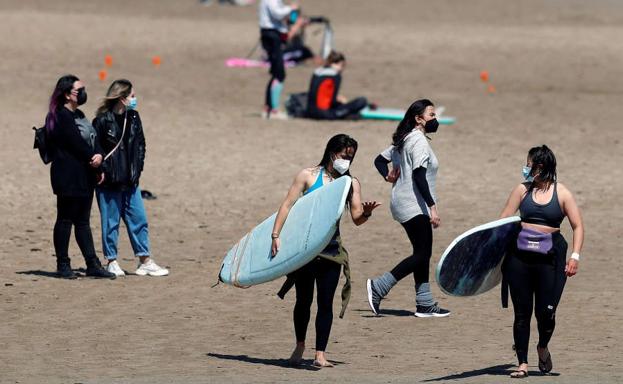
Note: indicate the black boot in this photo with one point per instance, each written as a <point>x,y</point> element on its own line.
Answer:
<point>95,269</point>
<point>63,270</point>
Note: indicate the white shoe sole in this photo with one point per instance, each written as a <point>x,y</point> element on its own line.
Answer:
<point>155,274</point>
<point>369,288</point>
<point>432,314</point>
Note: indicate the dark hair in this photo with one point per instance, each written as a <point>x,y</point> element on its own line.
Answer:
<point>64,85</point>
<point>335,145</point>
<point>334,57</point>
<point>118,89</point>
<point>407,123</point>
<point>544,158</point>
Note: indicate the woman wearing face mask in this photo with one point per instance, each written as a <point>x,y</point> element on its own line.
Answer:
<point>536,268</point>
<point>413,178</point>
<point>324,270</point>
<point>77,155</point>
<point>120,133</point>
<point>324,100</point>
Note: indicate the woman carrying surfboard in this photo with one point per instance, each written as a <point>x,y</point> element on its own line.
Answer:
<point>413,178</point>
<point>324,270</point>
<point>535,267</point>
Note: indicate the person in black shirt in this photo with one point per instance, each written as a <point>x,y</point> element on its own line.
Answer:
<point>324,100</point>
<point>120,133</point>
<point>76,158</point>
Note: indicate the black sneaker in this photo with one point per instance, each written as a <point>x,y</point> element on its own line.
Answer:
<point>374,299</point>
<point>63,270</point>
<point>431,311</point>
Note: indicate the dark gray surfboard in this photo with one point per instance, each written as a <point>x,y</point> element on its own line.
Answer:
<point>472,263</point>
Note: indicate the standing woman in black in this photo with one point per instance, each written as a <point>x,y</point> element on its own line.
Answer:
<point>73,173</point>
<point>536,267</point>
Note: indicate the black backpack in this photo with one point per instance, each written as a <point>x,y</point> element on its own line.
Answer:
<point>42,144</point>
<point>296,104</point>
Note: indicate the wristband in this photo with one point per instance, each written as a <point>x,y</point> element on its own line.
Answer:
<point>367,214</point>
<point>274,236</point>
<point>575,256</point>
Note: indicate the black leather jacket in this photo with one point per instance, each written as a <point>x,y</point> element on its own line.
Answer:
<point>109,134</point>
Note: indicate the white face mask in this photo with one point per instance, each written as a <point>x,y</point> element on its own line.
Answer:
<point>341,165</point>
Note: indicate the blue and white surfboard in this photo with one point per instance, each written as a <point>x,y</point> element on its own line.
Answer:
<point>310,225</point>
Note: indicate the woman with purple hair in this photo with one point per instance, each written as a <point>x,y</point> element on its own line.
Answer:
<point>76,158</point>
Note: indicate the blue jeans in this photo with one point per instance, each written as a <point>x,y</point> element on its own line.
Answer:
<point>128,204</point>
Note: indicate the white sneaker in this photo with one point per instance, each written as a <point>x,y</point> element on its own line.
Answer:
<point>275,114</point>
<point>152,269</point>
<point>113,267</point>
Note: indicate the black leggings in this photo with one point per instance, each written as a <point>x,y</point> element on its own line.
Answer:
<point>271,42</point>
<point>326,274</point>
<point>77,211</point>
<point>535,281</point>
<point>420,234</point>
<point>345,111</point>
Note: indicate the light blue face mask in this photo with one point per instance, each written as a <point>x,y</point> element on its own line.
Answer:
<point>132,103</point>
<point>525,171</point>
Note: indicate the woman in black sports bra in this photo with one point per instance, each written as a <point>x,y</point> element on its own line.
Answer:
<point>536,268</point>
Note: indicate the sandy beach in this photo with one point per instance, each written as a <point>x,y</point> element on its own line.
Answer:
<point>218,170</point>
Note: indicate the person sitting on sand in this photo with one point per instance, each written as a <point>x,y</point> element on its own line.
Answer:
<point>324,100</point>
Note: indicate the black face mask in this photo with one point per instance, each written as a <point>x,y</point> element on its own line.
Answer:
<point>82,96</point>
<point>431,126</point>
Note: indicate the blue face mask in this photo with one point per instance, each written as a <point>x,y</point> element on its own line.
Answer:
<point>132,103</point>
<point>526,173</point>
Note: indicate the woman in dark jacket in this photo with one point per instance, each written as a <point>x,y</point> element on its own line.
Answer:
<point>120,133</point>
<point>73,174</point>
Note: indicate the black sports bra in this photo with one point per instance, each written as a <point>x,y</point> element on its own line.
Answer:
<point>549,214</point>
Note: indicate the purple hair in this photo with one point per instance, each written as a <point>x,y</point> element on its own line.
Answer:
<point>64,85</point>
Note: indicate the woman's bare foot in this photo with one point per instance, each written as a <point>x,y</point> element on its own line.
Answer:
<point>321,360</point>
<point>297,354</point>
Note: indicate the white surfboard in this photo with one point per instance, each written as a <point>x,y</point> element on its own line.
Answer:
<point>472,263</point>
<point>310,225</point>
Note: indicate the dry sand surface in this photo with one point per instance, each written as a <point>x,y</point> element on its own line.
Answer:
<point>218,169</point>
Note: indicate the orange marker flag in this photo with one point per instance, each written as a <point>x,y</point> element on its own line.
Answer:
<point>491,89</point>
<point>156,60</point>
<point>108,60</point>
<point>484,76</point>
<point>103,74</point>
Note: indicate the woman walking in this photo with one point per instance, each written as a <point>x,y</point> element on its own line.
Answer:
<point>324,270</point>
<point>536,267</point>
<point>120,133</point>
<point>413,205</point>
<point>76,158</point>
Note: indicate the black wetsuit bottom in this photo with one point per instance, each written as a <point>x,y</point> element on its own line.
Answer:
<point>326,275</point>
<point>535,281</point>
<point>420,234</point>
<point>76,211</point>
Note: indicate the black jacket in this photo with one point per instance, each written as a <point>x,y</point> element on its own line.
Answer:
<point>119,173</point>
<point>70,172</point>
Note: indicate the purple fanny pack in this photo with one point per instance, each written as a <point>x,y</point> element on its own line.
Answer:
<point>534,241</point>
